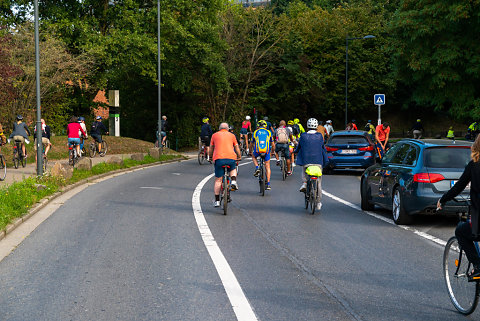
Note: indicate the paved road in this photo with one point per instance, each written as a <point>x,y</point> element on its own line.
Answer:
<point>129,248</point>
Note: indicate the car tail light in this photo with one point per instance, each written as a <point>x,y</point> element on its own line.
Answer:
<point>331,149</point>
<point>428,177</point>
<point>368,148</point>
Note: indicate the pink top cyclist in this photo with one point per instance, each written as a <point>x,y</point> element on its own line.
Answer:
<point>73,133</point>
<point>246,126</point>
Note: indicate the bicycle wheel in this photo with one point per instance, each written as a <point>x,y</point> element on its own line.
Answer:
<point>307,194</point>
<point>225,194</point>
<point>313,198</point>
<point>71,157</point>
<point>262,180</point>
<point>283,164</point>
<point>201,157</point>
<point>463,294</point>
<point>92,150</point>
<point>16,161</point>
<point>24,161</point>
<point>104,149</point>
<point>3,168</point>
<point>45,161</point>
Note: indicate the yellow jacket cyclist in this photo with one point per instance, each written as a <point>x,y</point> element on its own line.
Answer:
<point>262,147</point>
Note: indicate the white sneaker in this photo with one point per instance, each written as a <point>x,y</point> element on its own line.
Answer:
<point>234,185</point>
<point>27,141</point>
<point>303,188</point>
<point>216,204</point>
<point>319,206</point>
<point>293,165</point>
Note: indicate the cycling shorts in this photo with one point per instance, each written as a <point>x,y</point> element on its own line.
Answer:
<point>98,138</point>
<point>243,131</point>
<point>72,141</point>
<point>45,142</point>
<point>283,147</point>
<point>206,140</point>
<point>267,155</point>
<point>219,163</point>
<point>19,138</point>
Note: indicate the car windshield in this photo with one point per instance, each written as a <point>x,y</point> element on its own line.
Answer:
<point>347,140</point>
<point>447,157</point>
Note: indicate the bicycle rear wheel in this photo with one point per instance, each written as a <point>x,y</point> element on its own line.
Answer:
<point>313,198</point>
<point>225,194</point>
<point>262,180</point>
<point>16,161</point>
<point>24,161</point>
<point>45,161</point>
<point>92,150</point>
<point>463,294</point>
<point>201,157</point>
<point>104,149</point>
<point>283,163</point>
<point>71,157</point>
<point>3,168</point>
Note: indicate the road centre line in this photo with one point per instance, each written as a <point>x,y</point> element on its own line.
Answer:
<point>150,187</point>
<point>424,235</point>
<point>242,308</point>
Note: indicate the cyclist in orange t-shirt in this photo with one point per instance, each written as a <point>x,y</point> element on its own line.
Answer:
<point>382,134</point>
<point>224,150</point>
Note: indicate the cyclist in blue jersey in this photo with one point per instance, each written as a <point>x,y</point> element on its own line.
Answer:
<point>262,147</point>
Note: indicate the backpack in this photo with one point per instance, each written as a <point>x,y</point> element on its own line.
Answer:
<point>282,135</point>
<point>94,127</point>
<point>296,130</point>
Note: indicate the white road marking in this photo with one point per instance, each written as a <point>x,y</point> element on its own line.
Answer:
<point>242,308</point>
<point>178,174</point>
<point>427,236</point>
<point>151,187</point>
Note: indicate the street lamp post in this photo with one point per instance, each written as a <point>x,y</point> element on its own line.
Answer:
<point>159,77</point>
<point>346,72</point>
<point>38,141</point>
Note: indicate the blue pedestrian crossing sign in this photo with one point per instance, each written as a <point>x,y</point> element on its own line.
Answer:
<point>379,99</point>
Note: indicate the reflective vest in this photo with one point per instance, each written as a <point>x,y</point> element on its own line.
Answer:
<point>450,134</point>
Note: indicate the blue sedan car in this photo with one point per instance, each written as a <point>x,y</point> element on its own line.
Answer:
<point>350,149</point>
<point>412,177</point>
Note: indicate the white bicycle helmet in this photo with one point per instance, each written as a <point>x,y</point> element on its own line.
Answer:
<point>247,118</point>
<point>312,123</point>
<point>329,121</point>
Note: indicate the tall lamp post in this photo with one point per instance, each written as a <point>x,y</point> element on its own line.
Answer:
<point>346,72</point>
<point>38,141</point>
<point>159,78</point>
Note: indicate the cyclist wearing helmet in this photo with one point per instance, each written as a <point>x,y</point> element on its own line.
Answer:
<point>311,152</point>
<point>81,121</point>
<point>262,147</point>
<point>291,143</point>
<point>20,133</point>
<point>246,128</point>
<point>206,135</point>
<point>269,125</point>
<point>96,131</point>
<point>297,128</point>
<point>329,127</point>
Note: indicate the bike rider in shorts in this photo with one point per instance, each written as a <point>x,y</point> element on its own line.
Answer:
<point>225,151</point>
<point>246,128</point>
<point>20,133</point>
<point>206,134</point>
<point>282,138</point>
<point>96,131</point>
<point>46,133</point>
<point>262,144</point>
<point>81,121</point>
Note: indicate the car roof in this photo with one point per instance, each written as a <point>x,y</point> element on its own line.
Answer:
<point>349,133</point>
<point>437,142</point>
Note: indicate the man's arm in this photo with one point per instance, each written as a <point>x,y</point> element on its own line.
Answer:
<point>387,136</point>
<point>212,147</point>
<point>237,151</point>
<point>26,129</point>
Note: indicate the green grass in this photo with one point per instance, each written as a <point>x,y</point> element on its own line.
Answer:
<point>18,198</point>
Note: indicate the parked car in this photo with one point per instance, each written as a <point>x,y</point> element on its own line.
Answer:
<point>350,149</point>
<point>413,175</point>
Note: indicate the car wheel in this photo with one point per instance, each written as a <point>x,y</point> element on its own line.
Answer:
<point>400,216</point>
<point>364,195</point>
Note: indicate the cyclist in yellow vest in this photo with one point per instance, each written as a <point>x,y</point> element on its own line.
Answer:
<point>451,133</point>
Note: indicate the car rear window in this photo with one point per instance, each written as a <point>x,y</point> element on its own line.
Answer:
<point>447,157</point>
<point>347,140</point>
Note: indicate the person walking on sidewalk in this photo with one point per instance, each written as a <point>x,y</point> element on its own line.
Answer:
<point>224,151</point>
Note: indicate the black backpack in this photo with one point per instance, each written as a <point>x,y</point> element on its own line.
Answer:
<point>94,126</point>
<point>296,130</point>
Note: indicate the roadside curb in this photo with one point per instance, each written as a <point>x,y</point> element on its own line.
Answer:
<point>45,201</point>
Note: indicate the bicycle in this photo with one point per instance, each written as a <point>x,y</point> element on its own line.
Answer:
<point>283,165</point>
<point>225,190</point>
<point>262,174</point>
<point>93,148</point>
<point>202,155</point>
<point>311,193</point>
<point>18,157</point>
<point>456,268</point>
<point>73,157</point>
<point>3,166</point>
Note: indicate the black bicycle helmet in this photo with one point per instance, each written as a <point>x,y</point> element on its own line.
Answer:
<point>19,117</point>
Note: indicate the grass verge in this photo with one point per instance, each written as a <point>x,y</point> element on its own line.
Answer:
<point>18,198</point>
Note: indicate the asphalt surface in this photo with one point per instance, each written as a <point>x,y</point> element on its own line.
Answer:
<point>129,248</point>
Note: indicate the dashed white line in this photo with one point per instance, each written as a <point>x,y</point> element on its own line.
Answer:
<point>151,187</point>
<point>242,308</point>
<point>427,236</point>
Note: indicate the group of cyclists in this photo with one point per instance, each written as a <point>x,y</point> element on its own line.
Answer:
<point>76,133</point>
<point>288,138</point>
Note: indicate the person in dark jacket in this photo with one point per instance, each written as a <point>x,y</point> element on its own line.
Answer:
<point>417,129</point>
<point>311,152</point>
<point>467,232</point>
<point>96,131</point>
<point>206,134</point>
<point>20,133</point>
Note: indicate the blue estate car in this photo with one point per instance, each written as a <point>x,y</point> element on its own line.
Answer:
<point>413,175</point>
<point>350,149</point>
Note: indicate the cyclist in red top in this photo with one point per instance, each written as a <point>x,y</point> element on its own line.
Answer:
<point>246,128</point>
<point>73,133</point>
<point>382,134</point>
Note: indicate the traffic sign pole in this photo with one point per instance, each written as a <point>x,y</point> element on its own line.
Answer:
<point>379,100</point>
